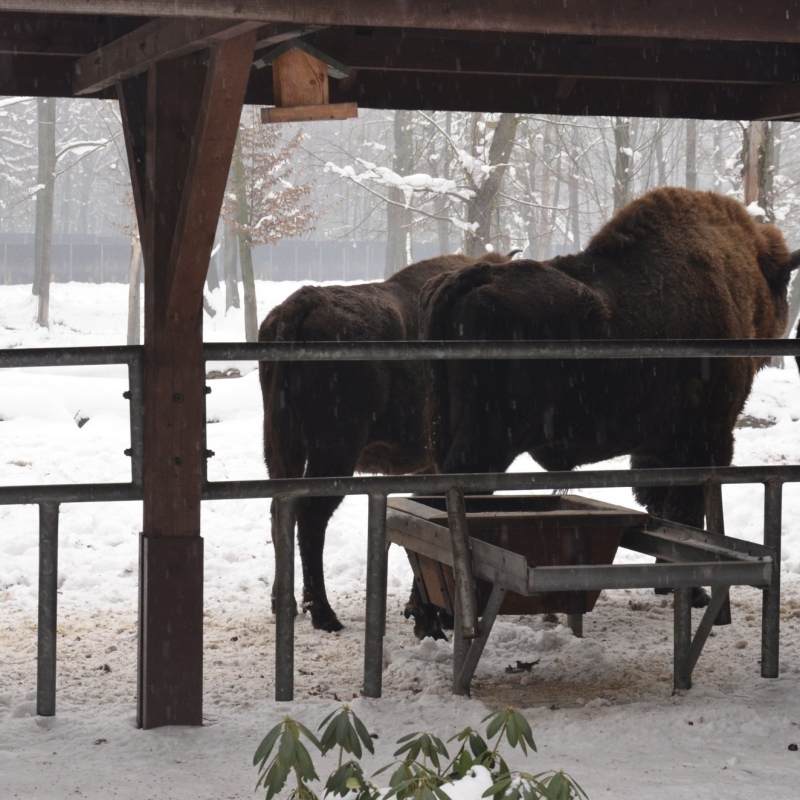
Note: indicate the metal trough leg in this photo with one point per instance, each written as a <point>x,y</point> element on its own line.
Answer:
<point>48,606</point>
<point>682,678</point>
<point>468,663</point>
<point>575,623</point>
<point>771,608</point>
<point>715,521</point>
<point>462,565</point>
<point>376,596</point>
<point>284,598</point>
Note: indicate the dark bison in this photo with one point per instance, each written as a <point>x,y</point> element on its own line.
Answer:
<point>334,418</point>
<point>674,264</point>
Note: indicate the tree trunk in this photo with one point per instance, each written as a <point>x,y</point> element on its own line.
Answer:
<point>212,278</point>
<point>245,245</point>
<point>45,179</point>
<point>231,248</point>
<point>443,224</point>
<point>757,166</point>
<point>623,162</point>
<point>134,291</point>
<point>574,201</point>
<point>482,205</point>
<point>661,161</point>
<point>691,153</point>
<point>398,215</point>
<point>543,250</point>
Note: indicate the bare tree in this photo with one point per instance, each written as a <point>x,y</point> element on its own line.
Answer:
<point>45,194</point>
<point>482,205</point>
<point>263,205</point>
<point>691,153</point>
<point>623,162</point>
<point>399,216</point>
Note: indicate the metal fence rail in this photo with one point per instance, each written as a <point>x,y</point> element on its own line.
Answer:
<point>48,497</point>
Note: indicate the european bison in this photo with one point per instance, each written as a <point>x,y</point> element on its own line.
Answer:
<point>674,264</point>
<point>334,418</point>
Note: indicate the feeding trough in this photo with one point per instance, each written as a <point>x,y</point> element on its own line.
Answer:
<point>483,555</point>
<point>546,530</point>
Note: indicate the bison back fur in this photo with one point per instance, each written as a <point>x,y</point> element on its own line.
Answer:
<point>674,264</point>
<point>326,419</point>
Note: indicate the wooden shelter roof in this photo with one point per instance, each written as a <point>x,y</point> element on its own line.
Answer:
<point>685,58</point>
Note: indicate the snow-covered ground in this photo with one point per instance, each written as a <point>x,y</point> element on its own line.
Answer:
<point>601,707</point>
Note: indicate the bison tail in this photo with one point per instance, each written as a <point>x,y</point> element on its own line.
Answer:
<point>794,260</point>
<point>284,438</point>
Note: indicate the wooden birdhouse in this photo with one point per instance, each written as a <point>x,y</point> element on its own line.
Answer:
<point>300,75</point>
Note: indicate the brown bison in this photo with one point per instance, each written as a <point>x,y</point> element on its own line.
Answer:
<point>674,264</point>
<point>334,418</point>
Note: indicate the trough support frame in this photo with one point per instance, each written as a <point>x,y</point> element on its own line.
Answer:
<point>688,648</point>
<point>180,120</point>
<point>465,597</point>
<point>467,652</point>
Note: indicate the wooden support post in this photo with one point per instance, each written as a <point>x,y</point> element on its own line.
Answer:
<point>180,124</point>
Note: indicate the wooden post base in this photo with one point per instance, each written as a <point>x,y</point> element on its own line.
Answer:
<point>171,631</point>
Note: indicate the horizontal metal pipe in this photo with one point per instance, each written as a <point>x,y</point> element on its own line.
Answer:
<point>409,484</point>
<point>69,493</point>
<point>438,350</point>
<point>70,356</point>
<point>647,576</point>
<point>487,482</point>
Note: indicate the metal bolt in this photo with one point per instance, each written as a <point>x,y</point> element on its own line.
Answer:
<point>210,454</point>
<point>128,452</point>
<point>126,395</point>
<point>208,390</point>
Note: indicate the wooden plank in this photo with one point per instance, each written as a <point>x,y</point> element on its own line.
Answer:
<point>769,20</point>
<point>527,95</point>
<point>557,56</point>
<point>132,95</point>
<point>309,113</point>
<point>153,42</point>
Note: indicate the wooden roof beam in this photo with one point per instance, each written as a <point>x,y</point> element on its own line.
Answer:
<point>767,20</point>
<point>152,42</point>
<point>556,56</point>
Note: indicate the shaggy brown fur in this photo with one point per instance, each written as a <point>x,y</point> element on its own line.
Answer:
<point>335,418</point>
<point>674,264</point>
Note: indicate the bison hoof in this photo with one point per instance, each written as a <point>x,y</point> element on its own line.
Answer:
<point>700,597</point>
<point>427,622</point>
<point>323,618</point>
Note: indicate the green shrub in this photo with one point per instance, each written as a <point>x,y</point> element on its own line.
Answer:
<point>422,767</point>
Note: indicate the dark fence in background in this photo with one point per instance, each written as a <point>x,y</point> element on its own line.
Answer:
<point>106,259</point>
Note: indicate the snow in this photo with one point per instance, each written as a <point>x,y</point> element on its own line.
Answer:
<point>601,707</point>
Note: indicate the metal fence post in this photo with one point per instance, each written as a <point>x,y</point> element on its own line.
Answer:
<point>376,596</point>
<point>284,597</point>
<point>48,609</point>
<point>771,607</point>
<point>682,678</point>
